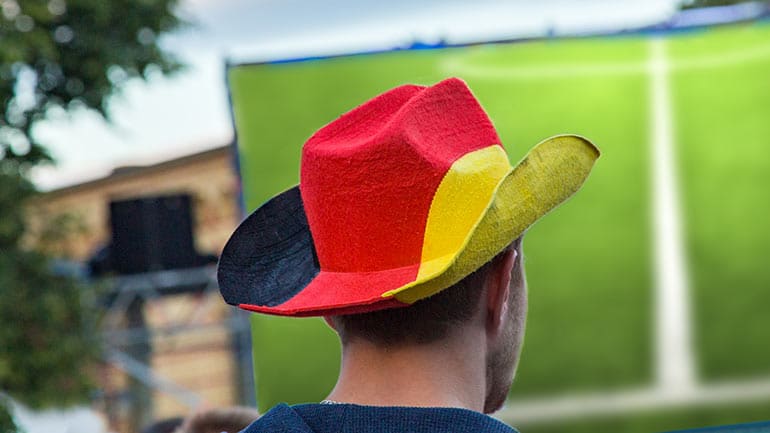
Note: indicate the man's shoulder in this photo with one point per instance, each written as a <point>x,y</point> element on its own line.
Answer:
<point>350,418</point>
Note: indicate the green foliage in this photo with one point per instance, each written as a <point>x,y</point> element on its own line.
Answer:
<point>68,53</point>
<point>14,189</point>
<point>693,4</point>
<point>7,425</point>
<point>46,343</point>
<point>57,55</point>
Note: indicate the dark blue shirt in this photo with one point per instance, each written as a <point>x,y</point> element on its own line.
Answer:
<point>351,418</point>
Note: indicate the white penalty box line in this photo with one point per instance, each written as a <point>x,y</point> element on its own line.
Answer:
<point>458,64</point>
<point>616,403</point>
<point>676,383</point>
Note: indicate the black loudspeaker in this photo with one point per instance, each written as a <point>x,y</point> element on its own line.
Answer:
<point>152,234</point>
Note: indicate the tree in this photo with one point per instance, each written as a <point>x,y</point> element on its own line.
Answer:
<point>57,55</point>
<point>7,425</point>
<point>693,4</point>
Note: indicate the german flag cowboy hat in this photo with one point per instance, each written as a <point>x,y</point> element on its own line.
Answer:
<point>398,199</point>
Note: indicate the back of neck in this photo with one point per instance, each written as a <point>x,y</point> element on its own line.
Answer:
<point>443,374</point>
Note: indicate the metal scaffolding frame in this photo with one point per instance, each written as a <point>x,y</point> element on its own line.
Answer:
<point>127,341</point>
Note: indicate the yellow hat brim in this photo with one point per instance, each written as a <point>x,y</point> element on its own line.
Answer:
<point>547,176</point>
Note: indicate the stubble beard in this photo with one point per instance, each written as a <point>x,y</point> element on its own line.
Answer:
<point>503,360</point>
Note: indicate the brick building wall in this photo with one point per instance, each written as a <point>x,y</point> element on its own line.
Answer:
<point>200,359</point>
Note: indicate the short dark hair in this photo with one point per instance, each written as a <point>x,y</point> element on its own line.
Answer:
<point>427,320</point>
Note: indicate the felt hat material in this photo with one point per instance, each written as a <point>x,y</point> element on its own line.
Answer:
<point>398,199</point>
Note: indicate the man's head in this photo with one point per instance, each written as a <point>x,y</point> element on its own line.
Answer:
<point>494,298</point>
<point>398,199</point>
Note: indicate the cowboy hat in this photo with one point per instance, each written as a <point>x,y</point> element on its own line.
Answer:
<point>398,199</point>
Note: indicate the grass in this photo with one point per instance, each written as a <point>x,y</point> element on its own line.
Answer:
<point>295,360</point>
<point>592,253</point>
<point>588,264</point>
<point>724,140</point>
<point>663,421</point>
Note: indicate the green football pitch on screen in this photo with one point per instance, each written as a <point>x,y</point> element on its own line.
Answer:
<point>589,264</point>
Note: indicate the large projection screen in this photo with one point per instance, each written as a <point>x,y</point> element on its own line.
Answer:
<point>596,323</point>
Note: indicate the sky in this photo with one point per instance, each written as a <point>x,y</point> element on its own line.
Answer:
<point>168,117</point>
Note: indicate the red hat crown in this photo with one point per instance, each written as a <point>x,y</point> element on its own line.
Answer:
<point>369,177</point>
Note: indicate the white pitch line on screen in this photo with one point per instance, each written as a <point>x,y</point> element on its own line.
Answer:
<point>458,66</point>
<point>570,407</point>
<point>674,362</point>
<point>676,382</point>
<point>728,58</point>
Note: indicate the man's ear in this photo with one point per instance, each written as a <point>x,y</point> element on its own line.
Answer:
<point>498,292</point>
<point>330,322</point>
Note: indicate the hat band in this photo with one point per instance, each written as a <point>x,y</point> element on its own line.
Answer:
<point>550,173</point>
<point>459,203</point>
